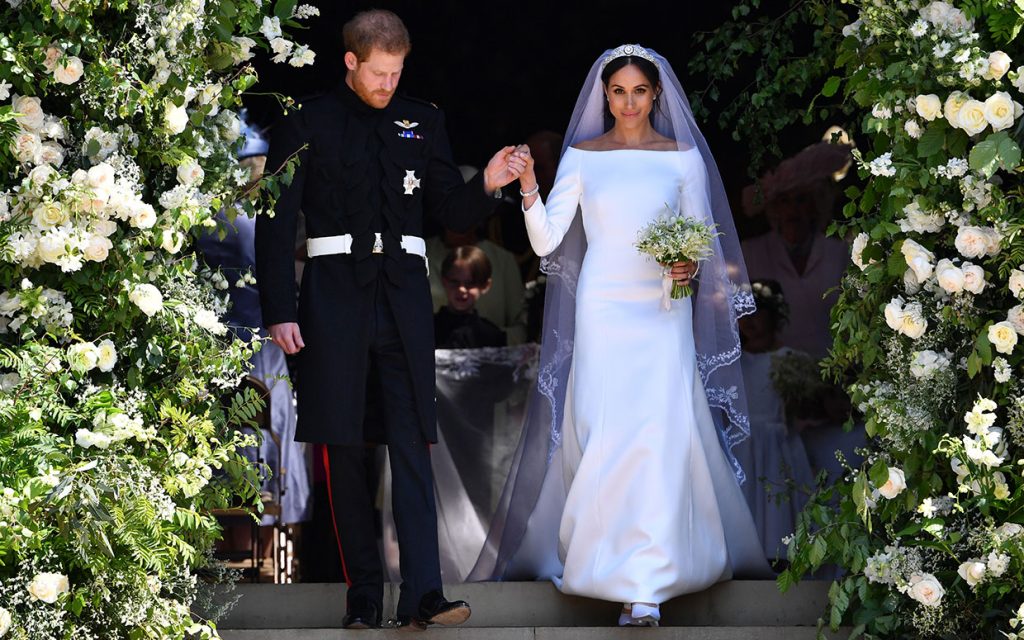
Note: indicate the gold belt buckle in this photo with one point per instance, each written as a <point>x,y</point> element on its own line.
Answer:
<point>378,244</point>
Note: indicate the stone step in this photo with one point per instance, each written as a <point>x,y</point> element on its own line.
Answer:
<point>542,633</point>
<point>534,605</point>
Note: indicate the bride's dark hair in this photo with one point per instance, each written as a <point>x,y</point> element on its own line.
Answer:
<point>646,67</point>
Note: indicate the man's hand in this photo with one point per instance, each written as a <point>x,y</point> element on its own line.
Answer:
<point>500,171</point>
<point>287,336</point>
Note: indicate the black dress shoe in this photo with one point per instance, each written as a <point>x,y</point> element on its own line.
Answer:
<point>435,609</point>
<point>361,614</point>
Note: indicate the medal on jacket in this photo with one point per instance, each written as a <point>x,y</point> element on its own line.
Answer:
<point>407,129</point>
<point>411,182</point>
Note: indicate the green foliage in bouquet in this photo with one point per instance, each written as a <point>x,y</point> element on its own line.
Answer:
<point>118,401</point>
<point>928,530</point>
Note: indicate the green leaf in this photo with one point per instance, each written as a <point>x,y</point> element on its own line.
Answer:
<point>931,142</point>
<point>831,86</point>
<point>984,156</point>
<point>879,473</point>
<point>818,550</point>
<point>285,8</point>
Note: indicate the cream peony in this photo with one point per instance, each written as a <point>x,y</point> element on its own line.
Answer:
<point>31,111</point>
<point>999,111</point>
<point>973,242</point>
<point>106,355</point>
<point>1015,316</point>
<point>53,54</point>
<point>148,298</point>
<point>928,106</point>
<point>143,216</point>
<point>913,323</point>
<point>974,278</point>
<point>171,241</point>
<point>949,276</point>
<point>70,71</point>
<point>998,65</point>
<point>972,571</point>
<point>971,117</point>
<point>951,109</point>
<point>926,589</point>
<point>175,118</point>
<point>26,147</point>
<point>101,179</point>
<point>88,439</point>
<point>1003,337</point>
<point>926,363</point>
<point>47,587</point>
<point>894,314</point>
<point>1016,283</point>
<point>895,485</point>
<point>918,258</point>
<point>83,357</point>
<point>97,248</point>
<point>49,214</point>
<point>190,173</point>
<point>50,153</point>
<point>859,244</point>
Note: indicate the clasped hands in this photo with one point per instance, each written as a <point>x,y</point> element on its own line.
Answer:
<point>520,163</point>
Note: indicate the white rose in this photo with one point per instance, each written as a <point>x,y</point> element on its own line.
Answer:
<point>171,241</point>
<point>50,153</point>
<point>5,621</point>
<point>1003,337</point>
<point>106,355</point>
<point>1010,530</point>
<point>972,571</point>
<point>894,314</point>
<point>49,214</point>
<point>31,110</point>
<point>914,323</point>
<point>147,298</point>
<point>972,242</point>
<point>47,587</point>
<point>926,363</point>
<point>993,240</point>
<point>910,282</point>
<point>271,28</point>
<point>231,126</point>
<point>1017,283</point>
<point>53,54</point>
<point>98,248</point>
<point>52,247</point>
<point>974,278</point>
<point>41,175</point>
<point>101,178</point>
<point>999,111</point>
<point>208,320</point>
<point>912,128</point>
<point>83,357</point>
<point>245,46</point>
<point>951,109</point>
<point>175,118</point>
<point>143,216</point>
<point>926,589</point>
<point>87,439</point>
<point>69,72</point>
<point>918,258</point>
<point>949,276</point>
<point>1015,317</point>
<point>998,563</point>
<point>26,146</point>
<point>105,228</point>
<point>971,117</point>
<point>896,483</point>
<point>190,173</point>
<point>998,65</point>
<point>859,244</point>
<point>928,106</point>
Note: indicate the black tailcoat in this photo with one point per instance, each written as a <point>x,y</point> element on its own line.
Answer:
<point>357,167</point>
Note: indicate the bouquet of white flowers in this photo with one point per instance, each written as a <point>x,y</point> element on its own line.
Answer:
<point>677,238</point>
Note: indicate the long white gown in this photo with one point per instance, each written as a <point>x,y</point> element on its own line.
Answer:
<point>652,509</point>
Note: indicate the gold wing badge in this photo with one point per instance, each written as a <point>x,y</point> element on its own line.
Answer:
<point>406,129</point>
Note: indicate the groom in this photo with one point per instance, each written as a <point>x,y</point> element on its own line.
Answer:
<point>371,165</point>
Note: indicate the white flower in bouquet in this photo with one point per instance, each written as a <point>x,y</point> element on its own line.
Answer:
<point>1001,490</point>
<point>926,363</point>
<point>208,320</point>
<point>147,298</point>
<point>1003,337</point>
<point>881,111</point>
<point>919,28</point>
<point>53,55</point>
<point>894,485</point>
<point>857,253</point>
<point>143,216</point>
<point>101,179</point>
<point>31,110</point>
<point>282,48</point>
<point>49,214</point>
<point>83,357</point>
<point>190,173</point>
<point>926,589</point>
<point>5,621</point>
<point>973,242</point>
<point>912,321</point>
<point>918,258</point>
<point>98,248</point>
<point>979,420</point>
<point>971,117</point>
<point>245,46</point>
<point>106,143</point>
<point>974,278</point>
<point>1016,283</point>
<point>106,355</point>
<point>920,221</point>
<point>998,65</point>
<point>928,106</point>
<point>175,118</point>
<point>88,439</point>
<point>271,27</point>
<point>47,587</point>
<point>1015,316</point>
<point>853,29</point>
<point>677,238</point>
<point>998,563</point>
<point>882,165</point>
<point>53,128</point>
<point>1009,530</point>
<point>973,571</point>
<point>70,71</point>
<point>50,153</point>
<point>949,276</point>
<point>26,147</point>
<point>302,57</point>
<point>999,111</point>
<point>230,125</point>
<point>951,109</point>
<point>171,240</point>
<point>1001,370</point>
<point>912,128</point>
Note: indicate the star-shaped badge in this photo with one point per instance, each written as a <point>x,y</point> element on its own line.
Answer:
<point>411,182</point>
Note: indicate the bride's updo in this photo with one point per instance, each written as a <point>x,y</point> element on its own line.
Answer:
<point>646,67</point>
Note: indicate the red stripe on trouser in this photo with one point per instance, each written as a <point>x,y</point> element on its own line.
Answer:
<point>334,520</point>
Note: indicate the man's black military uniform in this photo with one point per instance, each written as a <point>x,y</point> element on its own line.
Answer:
<point>367,171</point>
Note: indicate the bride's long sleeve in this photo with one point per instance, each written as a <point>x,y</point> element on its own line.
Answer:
<point>547,224</point>
<point>693,198</point>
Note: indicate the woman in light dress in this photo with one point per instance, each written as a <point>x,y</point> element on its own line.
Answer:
<point>621,454</point>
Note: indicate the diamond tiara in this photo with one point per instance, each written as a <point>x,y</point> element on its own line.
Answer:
<point>629,50</point>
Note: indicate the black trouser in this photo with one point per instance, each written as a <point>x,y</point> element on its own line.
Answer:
<point>411,477</point>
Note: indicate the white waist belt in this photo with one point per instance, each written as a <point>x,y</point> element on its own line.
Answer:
<point>328,245</point>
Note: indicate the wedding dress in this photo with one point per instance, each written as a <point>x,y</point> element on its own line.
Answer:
<point>652,508</point>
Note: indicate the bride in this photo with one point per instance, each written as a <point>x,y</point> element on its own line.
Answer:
<point>630,448</point>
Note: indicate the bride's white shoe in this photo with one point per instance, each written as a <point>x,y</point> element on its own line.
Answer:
<point>639,614</point>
